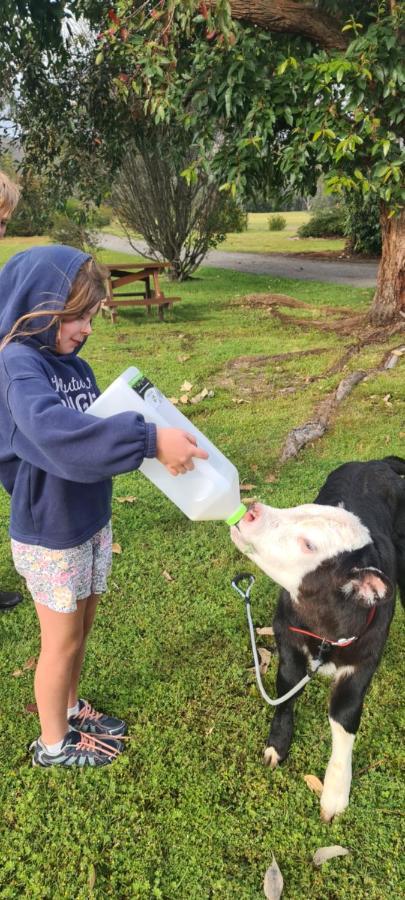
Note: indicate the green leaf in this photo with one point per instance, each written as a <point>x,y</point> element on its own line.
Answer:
<point>282,67</point>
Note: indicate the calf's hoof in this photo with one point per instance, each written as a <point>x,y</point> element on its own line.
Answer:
<point>332,804</point>
<point>271,758</point>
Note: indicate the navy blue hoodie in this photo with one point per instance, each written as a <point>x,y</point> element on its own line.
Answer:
<point>55,461</point>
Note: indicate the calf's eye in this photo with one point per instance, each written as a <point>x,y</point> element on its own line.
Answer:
<point>306,545</point>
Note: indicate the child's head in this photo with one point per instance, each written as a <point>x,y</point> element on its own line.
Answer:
<point>83,303</point>
<point>74,285</point>
<point>9,197</point>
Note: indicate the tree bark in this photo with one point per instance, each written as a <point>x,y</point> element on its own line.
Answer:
<point>285,16</point>
<point>389,298</point>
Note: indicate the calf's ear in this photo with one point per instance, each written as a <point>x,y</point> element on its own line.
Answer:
<point>368,586</point>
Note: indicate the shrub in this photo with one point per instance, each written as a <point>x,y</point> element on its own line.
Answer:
<point>180,218</point>
<point>362,224</point>
<point>94,216</point>
<point>324,223</point>
<point>33,215</point>
<point>102,215</point>
<point>277,223</point>
<point>72,227</point>
<point>230,217</point>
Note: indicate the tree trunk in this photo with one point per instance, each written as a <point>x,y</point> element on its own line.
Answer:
<point>389,298</point>
<point>286,16</point>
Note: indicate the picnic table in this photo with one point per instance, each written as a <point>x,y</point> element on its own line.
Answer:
<point>142,275</point>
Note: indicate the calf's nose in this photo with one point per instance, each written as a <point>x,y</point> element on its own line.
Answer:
<point>252,513</point>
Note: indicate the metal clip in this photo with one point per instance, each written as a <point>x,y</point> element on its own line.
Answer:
<point>242,577</point>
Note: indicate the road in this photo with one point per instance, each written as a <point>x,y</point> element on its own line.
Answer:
<point>362,273</point>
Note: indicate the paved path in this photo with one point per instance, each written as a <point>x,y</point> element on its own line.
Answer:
<point>282,265</point>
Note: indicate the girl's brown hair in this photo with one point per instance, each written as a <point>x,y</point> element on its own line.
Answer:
<point>9,195</point>
<point>88,289</point>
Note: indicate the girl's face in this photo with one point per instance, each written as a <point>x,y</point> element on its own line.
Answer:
<point>72,334</point>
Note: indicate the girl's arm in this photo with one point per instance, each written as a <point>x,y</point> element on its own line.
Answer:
<point>69,444</point>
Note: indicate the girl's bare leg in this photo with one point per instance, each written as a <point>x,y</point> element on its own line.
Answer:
<point>61,642</point>
<point>88,611</point>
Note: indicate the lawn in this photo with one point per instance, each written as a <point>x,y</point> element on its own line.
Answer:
<point>189,812</point>
<point>258,238</point>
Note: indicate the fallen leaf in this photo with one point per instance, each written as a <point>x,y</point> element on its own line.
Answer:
<point>265,657</point>
<point>314,784</point>
<point>267,629</point>
<point>186,386</point>
<point>125,499</point>
<point>184,398</point>
<point>31,663</point>
<point>254,468</point>
<point>325,853</point>
<point>17,673</point>
<point>167,575</point>
<point>239,400</point>
<point>200,396</point>
<point>398,352</point>
<point>249,499</point>
<point>183,358</point>
<point>273,882</point>
<point>387,400</point>
<point>31,708</point>
<point>92,876</point>
<point>116,548</point>
<point>174,400</point>
<point>402,434</point>
<point>270,479</point>
<point>247,487</point>
<point>264,661</point>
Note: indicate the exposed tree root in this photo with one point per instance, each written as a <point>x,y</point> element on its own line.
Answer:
<point>316,427</point>
<point>244,362</point>
<point>340,320</point>
<point>264,301</point>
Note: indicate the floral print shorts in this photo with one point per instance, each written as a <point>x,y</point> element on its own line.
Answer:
<point>58,578</point>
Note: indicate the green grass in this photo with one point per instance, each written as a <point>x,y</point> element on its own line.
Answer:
<point>189,812</point>
<point>258,238</point>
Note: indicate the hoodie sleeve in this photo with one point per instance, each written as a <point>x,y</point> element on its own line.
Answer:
<point>69,444</point>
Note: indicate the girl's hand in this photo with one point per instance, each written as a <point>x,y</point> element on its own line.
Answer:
<point>175,450</point>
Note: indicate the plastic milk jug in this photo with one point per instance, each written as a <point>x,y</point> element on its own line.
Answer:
<point>211,489</point>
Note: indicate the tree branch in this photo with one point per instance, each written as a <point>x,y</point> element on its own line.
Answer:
<point>285,16</point>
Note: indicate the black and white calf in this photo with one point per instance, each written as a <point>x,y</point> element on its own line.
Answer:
<point>338,561</point>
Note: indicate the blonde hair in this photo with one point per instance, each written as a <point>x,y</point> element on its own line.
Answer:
<point>9,195</point>
<point>88,289</point>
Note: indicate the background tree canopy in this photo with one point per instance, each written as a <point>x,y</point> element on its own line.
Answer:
<point>284,92</point>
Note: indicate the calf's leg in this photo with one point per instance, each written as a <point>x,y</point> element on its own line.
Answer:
<point>345,710</point>
<point>292,668</point>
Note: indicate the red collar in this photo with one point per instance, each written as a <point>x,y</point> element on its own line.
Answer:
<point>342,642</point>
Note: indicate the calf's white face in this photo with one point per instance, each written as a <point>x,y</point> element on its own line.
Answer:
<point>288,543</point>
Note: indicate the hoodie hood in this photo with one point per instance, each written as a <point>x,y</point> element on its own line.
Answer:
<point>38,278</point>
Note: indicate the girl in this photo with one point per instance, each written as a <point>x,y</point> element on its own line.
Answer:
<point>56,464</point>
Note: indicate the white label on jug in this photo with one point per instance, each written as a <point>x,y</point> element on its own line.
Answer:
<point>147,391</point>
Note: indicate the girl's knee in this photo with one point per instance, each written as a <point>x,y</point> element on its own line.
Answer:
<point>63,646</point>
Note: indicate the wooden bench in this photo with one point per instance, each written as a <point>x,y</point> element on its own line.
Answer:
<point>122,274</point>
<point>162,303</point>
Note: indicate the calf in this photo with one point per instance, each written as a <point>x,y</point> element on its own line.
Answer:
<point>338,561</point>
